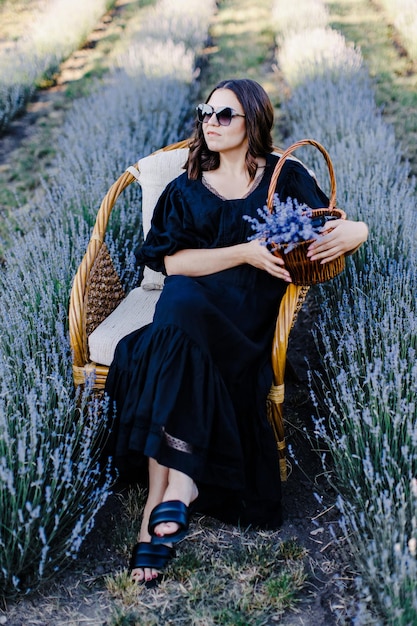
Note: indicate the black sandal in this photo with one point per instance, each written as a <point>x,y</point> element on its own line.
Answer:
<point>153,556</point>
<point>170,511</point>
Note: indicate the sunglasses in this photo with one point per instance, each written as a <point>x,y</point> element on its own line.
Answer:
<point>224,115</point>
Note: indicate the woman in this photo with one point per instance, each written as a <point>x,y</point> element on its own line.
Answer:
<point>190,389</point>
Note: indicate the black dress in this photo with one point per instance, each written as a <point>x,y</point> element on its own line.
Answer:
<point>190,389</point>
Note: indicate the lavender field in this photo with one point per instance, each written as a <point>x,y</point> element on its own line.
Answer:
<point>46,437</point>
<point>364,422</point>
<point>367,328</point>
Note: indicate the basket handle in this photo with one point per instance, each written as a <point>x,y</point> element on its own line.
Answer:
<point>280,165</point>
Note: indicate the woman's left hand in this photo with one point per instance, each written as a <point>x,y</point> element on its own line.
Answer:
<point>337,237</point>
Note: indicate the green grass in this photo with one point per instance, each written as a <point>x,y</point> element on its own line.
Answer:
<point>242,44</point>
<point>393,71</point>
<point>221,575</point>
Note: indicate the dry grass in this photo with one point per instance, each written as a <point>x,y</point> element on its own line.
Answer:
<point>221,575</point>
<point>16,17</point>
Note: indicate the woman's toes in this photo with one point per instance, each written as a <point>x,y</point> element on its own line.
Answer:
<point>166,528</point>
<point>138,575</point>
<point>149,574</point>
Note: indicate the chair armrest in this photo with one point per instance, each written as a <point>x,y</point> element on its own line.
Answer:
<point>77,309</point>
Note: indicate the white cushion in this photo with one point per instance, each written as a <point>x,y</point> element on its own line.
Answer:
<point>137,309</point>
<point>155,172</point>
<point>134,312</point>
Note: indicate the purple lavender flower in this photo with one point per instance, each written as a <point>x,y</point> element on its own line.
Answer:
<point>287,225</point>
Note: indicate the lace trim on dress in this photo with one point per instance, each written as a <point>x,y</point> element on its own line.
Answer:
<point>253,186</point>
<point>178,444</point>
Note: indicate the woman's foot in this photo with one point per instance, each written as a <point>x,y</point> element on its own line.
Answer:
<point>168,485</point>
<point>145,574</point>
<point>180,488</point>
<point>172,512</point>
<point>150,556</point>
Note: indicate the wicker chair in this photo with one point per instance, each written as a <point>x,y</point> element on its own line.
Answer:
<point>100,313</point>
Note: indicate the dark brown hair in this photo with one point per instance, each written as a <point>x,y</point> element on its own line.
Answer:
<point>259,119</point>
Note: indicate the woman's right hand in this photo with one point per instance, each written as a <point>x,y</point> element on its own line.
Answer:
<point>259,256</point>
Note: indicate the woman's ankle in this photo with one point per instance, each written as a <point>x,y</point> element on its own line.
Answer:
<point>180,487</point>
<point>150,504</point>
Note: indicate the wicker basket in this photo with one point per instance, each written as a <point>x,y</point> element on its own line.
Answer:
<point>303,271</point>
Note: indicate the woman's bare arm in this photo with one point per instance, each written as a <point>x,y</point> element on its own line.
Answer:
<point>344,236</point>
<point>202,262</point>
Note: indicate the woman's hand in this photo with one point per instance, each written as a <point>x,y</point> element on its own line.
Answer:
<point>259,256</point>
<point>337,237</point>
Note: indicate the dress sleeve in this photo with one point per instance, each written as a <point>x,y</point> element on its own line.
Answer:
<point>170,230</point>
<point>298,184</point>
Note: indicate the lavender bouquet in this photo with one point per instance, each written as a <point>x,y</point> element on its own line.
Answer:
<point>287,225</point>
<point>289,228</point>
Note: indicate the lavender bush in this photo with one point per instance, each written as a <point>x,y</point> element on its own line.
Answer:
<point>17,82</point>
<point>51,485</point>
<point>289,19</point>
<point>129,117</point>
<point>367,328</point>
<point>51,36</point>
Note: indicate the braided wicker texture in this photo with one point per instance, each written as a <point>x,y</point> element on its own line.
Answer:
<point>303,271</point>
<point>86,296</point>
<point>104,291</point>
